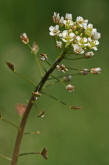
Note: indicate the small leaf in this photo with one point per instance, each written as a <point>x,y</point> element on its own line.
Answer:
<point>44,153</point>
<point>21,108</point>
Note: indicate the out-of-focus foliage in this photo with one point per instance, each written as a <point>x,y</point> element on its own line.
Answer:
<point>71,137</point>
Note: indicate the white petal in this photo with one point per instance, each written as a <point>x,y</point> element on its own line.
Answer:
<point>51,34</point>
<point>51,28</point>
<point>72,35</point>
<point>64,33</point>
<point>57,27</point>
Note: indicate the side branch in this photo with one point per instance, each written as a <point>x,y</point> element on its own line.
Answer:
<point>29,106</point>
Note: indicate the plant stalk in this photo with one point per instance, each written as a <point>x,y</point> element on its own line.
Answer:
<point>29,106</point>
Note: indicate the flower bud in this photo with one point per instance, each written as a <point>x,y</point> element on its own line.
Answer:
<point>56,18</point>
<point>24,38</point>
<point>70,88</point>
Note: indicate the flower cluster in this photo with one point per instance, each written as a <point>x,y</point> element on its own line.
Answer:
<point>79,35</point>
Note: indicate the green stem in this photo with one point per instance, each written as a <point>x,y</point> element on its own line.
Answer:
<point>75,59</point>
<point>54,98</point>
<point>9,122</point>
<point>30,153</point>
<point>5,157</point>
<point>24,78</point>
<point>37,60</point>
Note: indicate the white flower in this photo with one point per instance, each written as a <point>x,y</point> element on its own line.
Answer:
<point>90,26</point>
<point>68,16</point>
<point>54,30</point>
<point>78,49</point>
<point>95,34</point>
<point>81,35</point>
<point>84,39</point>
<point>84,25</point>
<point>68,23</point>
<point>81,22</point>
<point>58,44</point>
<point>78,38</point>
<point>56,17</point>
<point>79,19</point>
<point>96,42</point>
<point>95,70</point>
<point>95,48</point>
<point>67,37</point>
<point>89,39</point>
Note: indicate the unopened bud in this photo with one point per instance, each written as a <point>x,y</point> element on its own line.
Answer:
<point>95,70</point>
<point>43,57</point>
<point>56,17</point>
<point>70,88</point>
<point>24,38</point>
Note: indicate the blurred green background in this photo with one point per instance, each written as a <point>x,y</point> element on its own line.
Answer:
<point>71,137</point>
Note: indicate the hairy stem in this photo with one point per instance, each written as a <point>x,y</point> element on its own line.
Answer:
<point>29,106</point>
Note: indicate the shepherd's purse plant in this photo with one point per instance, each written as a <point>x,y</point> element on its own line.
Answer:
<point>76,40</point>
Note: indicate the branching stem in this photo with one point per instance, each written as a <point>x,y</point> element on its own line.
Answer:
<point>29,106</point>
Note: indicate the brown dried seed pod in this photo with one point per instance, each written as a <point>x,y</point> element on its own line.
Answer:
<point>11,66</point>
<point>44,153</point>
